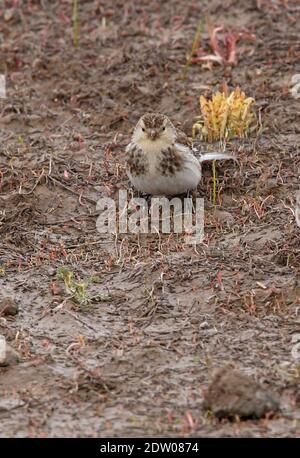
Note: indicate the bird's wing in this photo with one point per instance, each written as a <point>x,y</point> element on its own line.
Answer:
<point>129,147</point>
<point>216,157</point>
<point>182,138</point>
<point>187,157</point>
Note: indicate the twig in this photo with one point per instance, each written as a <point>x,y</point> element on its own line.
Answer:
<point>75,23</point>
<point>195,46</point>
<point>80,320</point>
<point>35,185</point>
<point>214,183</point>
<point>80,196</point>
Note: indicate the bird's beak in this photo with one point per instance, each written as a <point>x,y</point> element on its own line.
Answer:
<point>153,134</point>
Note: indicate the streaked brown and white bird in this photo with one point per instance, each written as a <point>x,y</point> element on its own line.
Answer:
<point>160,158</point>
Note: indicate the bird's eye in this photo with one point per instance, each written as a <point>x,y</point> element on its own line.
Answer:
<point>164,128</point>
<point>143,129</point>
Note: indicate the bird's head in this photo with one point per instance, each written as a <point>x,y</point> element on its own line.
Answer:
<point>154,128</point>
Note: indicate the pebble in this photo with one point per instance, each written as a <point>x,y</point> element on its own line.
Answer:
<point>8,307</point>
<point>8,355</point>
<point>233,394</point>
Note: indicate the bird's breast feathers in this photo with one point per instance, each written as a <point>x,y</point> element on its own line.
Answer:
<point>137,161</point>
<point>172,170</point>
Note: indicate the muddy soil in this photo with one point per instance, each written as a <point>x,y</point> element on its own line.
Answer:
<point>159,316</point>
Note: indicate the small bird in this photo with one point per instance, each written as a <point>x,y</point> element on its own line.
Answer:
<point>161,160</point>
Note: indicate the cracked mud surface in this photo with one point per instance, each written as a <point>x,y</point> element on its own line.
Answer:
<point>137,360</point>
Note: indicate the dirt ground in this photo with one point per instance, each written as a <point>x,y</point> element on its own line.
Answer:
<point>137,359</point>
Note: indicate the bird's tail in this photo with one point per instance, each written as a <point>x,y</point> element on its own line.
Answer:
<point>215,157</point>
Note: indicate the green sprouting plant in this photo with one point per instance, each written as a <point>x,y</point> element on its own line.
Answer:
<point>195,46</point>
<point>78,290</point>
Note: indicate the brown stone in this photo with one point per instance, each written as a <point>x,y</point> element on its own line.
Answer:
<point>8,307</point>
<point>232,394</point>
<point>10,357</point>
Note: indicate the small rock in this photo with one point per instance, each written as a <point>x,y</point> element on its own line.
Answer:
<point>8,356</point>
<point>8,307</point>
<point>297,397</point>
<point>8,14</point>
<point>10,403</point>
<point>204,324</point>
<point>224,217</point>
<point>51,271</point>
<point>233,394</point>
